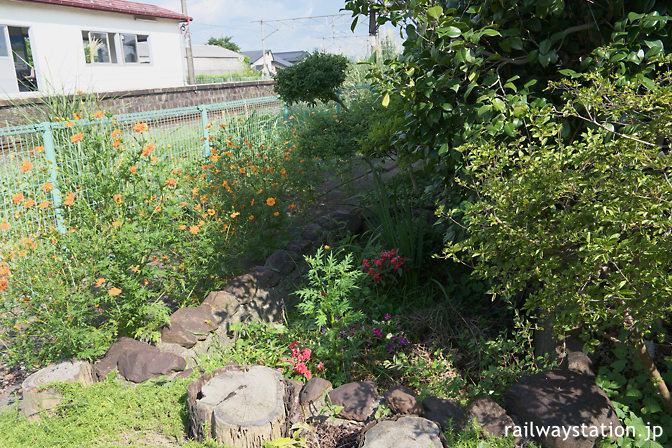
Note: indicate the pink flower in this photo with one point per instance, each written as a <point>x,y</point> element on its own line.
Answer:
<point>378,262</point>
<point>293,345</point>
<point>320,366</point>
<point>377,333</point>
<point>308,374</point>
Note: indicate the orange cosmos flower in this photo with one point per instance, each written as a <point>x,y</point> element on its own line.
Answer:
<point>48,187</point>
<point>99,282</point>
<point>116,143</point>
<point>68,124</point>
<point>79,92</point>
<point>3,285</point>
<point>183,227</point>
<point>270,202</point>
<point>118,198</point>
<point>44,204</point>
<point>135,268</point>
<point>39,149</point>
<point>18,198</point>
<point>242,170</point>
<point>115,133</point>
<point>251,217</point>
<point>134,169</point>
<point>140,127</point>
<point>171,182</point>
<point>77,116</point>
<point>193,230</point>
<point>4,225</point>
<point>114,291</point>
<point>98,114</point>
<point>4,271</point>
<point>276,214</point>
<point>211,212</point>
<point>29,203</point>
<point>155,159</point>
<point>234,214</point>
<point>252,203</point>
<point>116,224</point>
<point>260,190</point>
<point>26,166</point>
<point>292,206</point>
<point>147,150</point>
<point>77,138</point>
<point>69,199</point>
<point>157,209</point>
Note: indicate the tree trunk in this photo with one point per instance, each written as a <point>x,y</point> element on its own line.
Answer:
<point>656,379</point>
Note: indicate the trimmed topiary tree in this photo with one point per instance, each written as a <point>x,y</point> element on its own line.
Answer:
<point>315,78</point>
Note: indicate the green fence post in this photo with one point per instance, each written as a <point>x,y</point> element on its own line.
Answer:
<point>50,154</point>
<point>285,112</point>
<point>206,134</point>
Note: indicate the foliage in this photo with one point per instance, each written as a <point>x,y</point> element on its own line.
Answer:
<point>628,387</point>
<point>326,301</point>
<point>470,66</point>
<point>145,233</point>
<point>224,42</point>
<point>121,415</point>
<point>315,78</point>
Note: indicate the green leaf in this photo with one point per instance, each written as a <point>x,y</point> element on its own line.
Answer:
<point>491,32</point>
<point>451,31</point>
<point>386,100</point>
<point>435,12</point>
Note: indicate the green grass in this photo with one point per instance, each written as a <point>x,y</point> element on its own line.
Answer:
<point>107,414</point>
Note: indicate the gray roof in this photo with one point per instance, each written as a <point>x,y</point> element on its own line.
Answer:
<point>284,58</point>
<point>213,51</point>
<point>253,55</point>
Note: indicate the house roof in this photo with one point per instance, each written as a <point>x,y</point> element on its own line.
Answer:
<point>254,55</point>
<point>120,6</point>
<point>290,56</point>
<point>213,51</point>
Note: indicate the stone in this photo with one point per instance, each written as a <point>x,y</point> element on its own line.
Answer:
<point>358,400</point>
<point>243,287</point>
<point>401,400</point>
<point>140,365</point>
<point>348,220</point>
<point>314,390</point>
<point>299,246</point>
<point>223,305</point>
<point>490,417</point>
<point>239,406</point>
<point>406,432</point>
<point>281,261</point>
<point>561,399</point>
<point>312,232</point>
<point>447,413</point>
<point>109,362</point>
<point>294,412</point>
<point>34,400</point>
<point>189,325</point>
<point>266,277</point>
<point>579,362</point>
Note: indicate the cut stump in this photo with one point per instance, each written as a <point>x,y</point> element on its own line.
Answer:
<point>239,406</point>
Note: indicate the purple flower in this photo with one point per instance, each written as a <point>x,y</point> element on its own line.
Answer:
<point>377,333</point>
<point>388,316</point>
<point>403,341</point>
<point>390,348</point>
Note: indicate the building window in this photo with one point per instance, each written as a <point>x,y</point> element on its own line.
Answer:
<point>99,47</point>
<point>4,48</point>
<point>135,48</point>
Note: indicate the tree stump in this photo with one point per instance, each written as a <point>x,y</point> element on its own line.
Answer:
<point>239,406</point>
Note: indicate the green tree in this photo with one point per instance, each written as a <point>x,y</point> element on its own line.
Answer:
<point>316,78</point>
<point>224,42</point>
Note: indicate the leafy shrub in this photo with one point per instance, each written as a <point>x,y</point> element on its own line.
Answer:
<point>315,78</point>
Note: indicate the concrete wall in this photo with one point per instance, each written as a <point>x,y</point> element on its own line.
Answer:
<point>153,99</point>
<point>218,66</point>
<point>58,51</point>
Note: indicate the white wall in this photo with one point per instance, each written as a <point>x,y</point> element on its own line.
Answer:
<point>217,66</point>
<point>58,52</point>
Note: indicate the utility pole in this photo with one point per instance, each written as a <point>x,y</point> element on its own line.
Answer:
<point>264,70</point>
<point>187,43</point>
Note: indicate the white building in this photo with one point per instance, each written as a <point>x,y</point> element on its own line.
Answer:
<point>215,60</point>
<point>62,46</point>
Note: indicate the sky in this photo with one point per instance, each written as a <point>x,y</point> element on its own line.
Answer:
<point>238,18</point>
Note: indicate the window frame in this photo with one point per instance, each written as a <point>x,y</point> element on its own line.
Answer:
<point>115,47</point>
<point>4,35</point>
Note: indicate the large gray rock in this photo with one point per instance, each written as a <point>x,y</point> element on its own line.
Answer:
<point>490,417</point>
<point>406,432</point>
<point>358,400</point>
<point>282,262</point>
<point>447,413</point>
<point>223,305</point>
<point>314,390</point>
<point>561,400</point>
<point>239,406</point>
<point>401,400</point>
<point>35,400</point>
<point>189,325</point>
<point>108,363</point>
<point>266,277</point>
<point>140,365</point>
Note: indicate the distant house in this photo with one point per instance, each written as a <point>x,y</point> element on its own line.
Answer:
<point>215,60</point>
<point>90,45</point>
<point>274,61</point>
